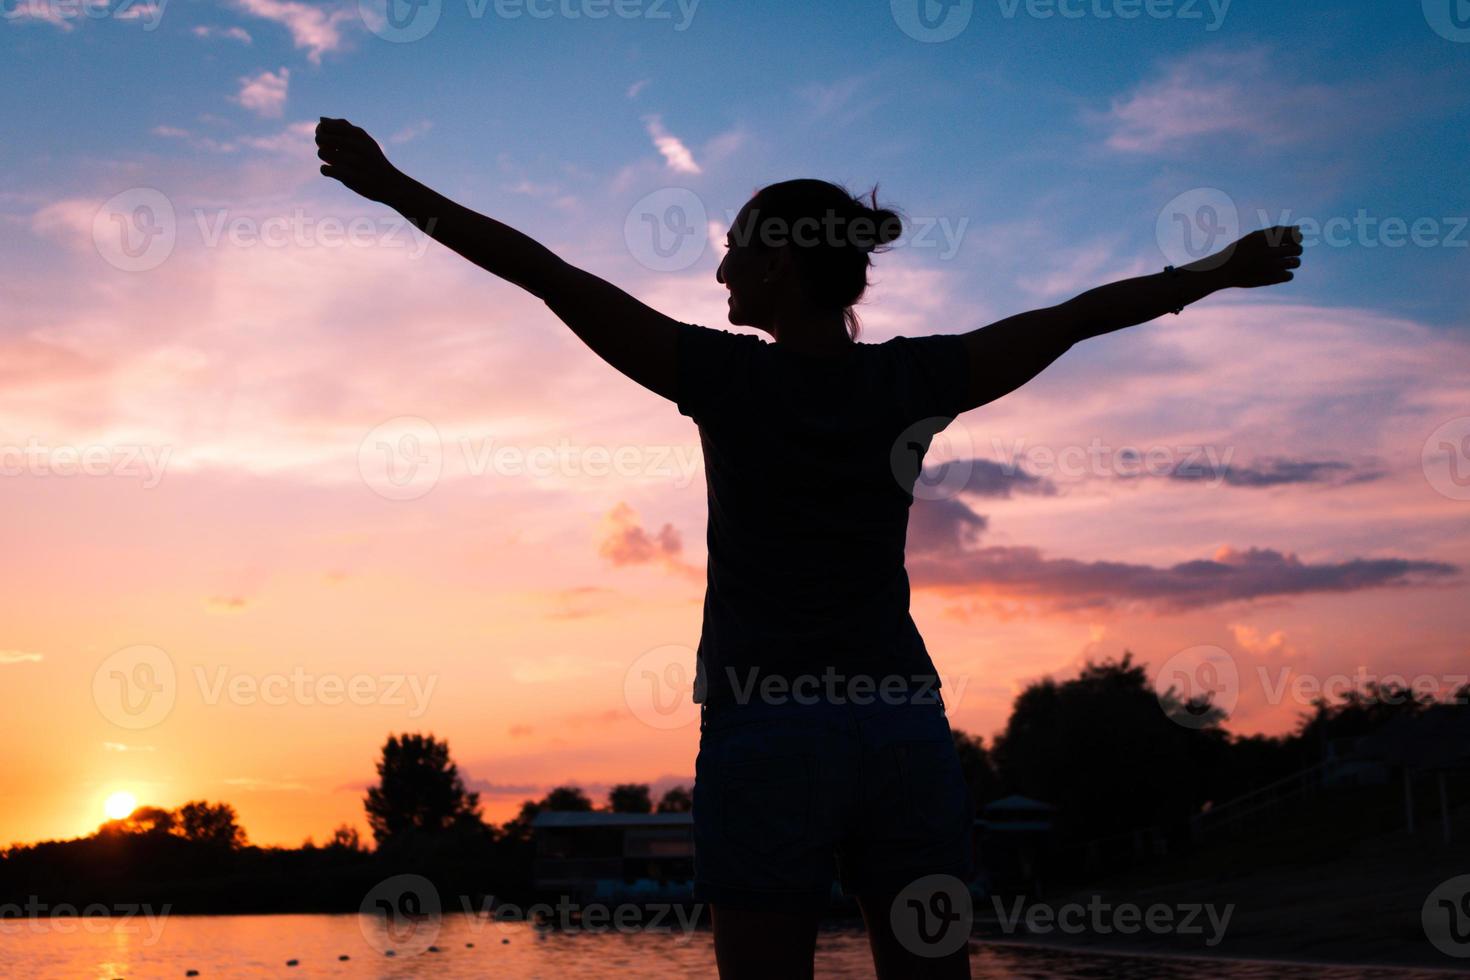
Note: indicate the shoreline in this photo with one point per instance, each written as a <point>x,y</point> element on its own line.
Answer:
<point>1085,945</point>
<point>1155,953</point>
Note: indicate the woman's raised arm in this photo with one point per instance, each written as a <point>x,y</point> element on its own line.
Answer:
<point>631,336</point>
<point>1008,353</point>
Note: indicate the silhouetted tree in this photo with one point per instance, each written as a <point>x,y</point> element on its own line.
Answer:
<point>563,799</point>
<point>1358,713</point>
<point>346,838</point>
<point>566,799</point>
<point>214,824</point>
<point>975,764</point>
<point>1109,751</point>
<point>1253,761</point>
<point>144,820</point>
<point>419,792</point>
<point>630,798</point>
<point>676,800</point>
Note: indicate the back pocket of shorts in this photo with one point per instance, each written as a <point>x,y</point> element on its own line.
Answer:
<point>766,803</point>
<point>935,793</point>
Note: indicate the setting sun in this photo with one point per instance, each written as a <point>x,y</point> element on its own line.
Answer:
<point>120,805</point>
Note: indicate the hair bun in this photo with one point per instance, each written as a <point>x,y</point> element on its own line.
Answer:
<point>890,225</point>
<point>884,225</point>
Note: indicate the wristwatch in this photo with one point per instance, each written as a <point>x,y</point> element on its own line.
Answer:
<point>1173,274</point>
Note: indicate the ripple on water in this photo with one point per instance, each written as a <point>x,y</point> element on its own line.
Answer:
<point>344,946</point>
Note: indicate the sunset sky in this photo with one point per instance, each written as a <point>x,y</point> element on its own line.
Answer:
<point>302,488</point>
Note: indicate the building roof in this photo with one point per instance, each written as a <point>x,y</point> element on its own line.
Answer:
<point>556,819</point>
<point>1437,739</point>
<point>1015,803</point>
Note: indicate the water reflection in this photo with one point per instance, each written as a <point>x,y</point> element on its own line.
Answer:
<point>470,946</point>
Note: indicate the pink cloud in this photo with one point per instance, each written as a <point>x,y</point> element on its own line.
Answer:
<point>1025,574</point>
<point>627,542</point>
<point>225,33</point>
<point>265,94</point>
<point>317,28</point>
<point>1215,92</point>
<point>676,155</point>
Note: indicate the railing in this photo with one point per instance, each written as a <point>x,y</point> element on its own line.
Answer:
<point>557,871</point>
<point>1264,798</point>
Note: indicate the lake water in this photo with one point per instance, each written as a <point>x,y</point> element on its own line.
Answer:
<point>260,946</point>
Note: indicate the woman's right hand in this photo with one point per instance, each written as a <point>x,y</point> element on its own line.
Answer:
<point>354,158</point>
<point>1262,258</point>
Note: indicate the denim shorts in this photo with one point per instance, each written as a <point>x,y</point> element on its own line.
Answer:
<point>787,794</point>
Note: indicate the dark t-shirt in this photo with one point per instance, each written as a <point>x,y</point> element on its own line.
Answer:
<point>810,463</point>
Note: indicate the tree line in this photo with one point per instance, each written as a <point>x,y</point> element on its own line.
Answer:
<point>1104,748</point>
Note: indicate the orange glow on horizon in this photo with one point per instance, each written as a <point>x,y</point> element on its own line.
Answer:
<point>120,805</point>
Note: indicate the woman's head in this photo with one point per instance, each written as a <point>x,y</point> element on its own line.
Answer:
<point>803,246</point>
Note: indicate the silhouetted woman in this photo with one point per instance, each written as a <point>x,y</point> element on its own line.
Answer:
<point>824,744</point>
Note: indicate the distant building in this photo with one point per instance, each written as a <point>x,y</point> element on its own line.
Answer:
<point>1013,845</point>
<point>607,858</point>
<point>1427,746</point>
